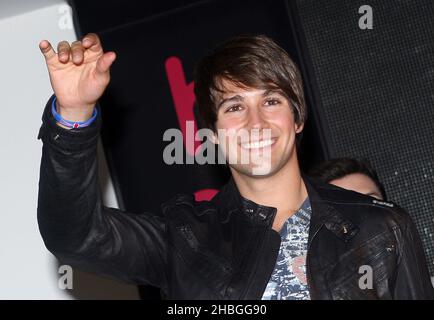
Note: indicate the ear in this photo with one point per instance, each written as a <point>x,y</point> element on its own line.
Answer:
<point>299,127</point>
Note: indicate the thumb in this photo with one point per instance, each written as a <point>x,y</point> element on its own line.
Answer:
<point>104,62</point>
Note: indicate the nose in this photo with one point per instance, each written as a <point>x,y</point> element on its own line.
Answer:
<point>256,119</point>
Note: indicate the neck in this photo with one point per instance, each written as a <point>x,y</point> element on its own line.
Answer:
<point>284,190</point>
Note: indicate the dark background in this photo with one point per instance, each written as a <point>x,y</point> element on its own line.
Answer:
<point>139,99</point>
<point>369,92</point>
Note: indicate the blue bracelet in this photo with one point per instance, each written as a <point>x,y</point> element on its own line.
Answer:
<point>72,124</point>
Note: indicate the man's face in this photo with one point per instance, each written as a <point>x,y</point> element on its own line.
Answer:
<point>268,120</point>
<point>360,183</point>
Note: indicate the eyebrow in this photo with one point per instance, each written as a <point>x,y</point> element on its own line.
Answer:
<point>240,98</point>
<point>234,98</point>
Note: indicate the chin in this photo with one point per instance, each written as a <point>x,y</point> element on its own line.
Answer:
<point>255,171</point>
<point>266,168</point>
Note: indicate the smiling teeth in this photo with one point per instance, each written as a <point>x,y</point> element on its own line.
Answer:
<point>257,144</point>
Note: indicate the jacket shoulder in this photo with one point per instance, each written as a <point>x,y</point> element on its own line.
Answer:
<point>360,208</point>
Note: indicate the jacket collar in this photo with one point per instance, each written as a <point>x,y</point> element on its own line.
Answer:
<point>325,214</point>
<point>230,201</point>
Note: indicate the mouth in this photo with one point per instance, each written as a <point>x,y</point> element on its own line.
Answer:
<point>258,144</point>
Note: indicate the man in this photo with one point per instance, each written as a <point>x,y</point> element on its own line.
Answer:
<point>251,240</point>
<point>350,174</point>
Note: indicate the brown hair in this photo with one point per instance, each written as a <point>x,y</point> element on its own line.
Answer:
<point>247,61</point>
<point>340,167</point>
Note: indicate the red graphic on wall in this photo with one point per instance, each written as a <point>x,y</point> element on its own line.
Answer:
<point>183,99</point>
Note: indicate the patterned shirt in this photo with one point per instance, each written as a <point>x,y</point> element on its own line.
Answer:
<point>288,280</point>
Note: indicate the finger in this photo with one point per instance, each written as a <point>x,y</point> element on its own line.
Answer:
<point>63,50</point>
<point>47,50</point>
<point>77,52</point>
<point>104,62</point>
<point>91,41</point>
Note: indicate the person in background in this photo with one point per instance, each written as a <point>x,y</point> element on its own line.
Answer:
<point>351,174</point>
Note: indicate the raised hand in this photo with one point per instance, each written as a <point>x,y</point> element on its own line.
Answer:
<point>79,74</point>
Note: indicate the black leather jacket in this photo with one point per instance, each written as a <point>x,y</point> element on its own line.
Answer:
<point>225,248</point>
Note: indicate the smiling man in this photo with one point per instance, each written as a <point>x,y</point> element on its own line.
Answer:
<point>270,233</point>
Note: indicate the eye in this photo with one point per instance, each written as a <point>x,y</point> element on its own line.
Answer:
<point>272,102</point>
<point>234,108</point>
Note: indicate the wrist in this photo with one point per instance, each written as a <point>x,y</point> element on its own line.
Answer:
<point>79,115</point>
<point>69,119</point>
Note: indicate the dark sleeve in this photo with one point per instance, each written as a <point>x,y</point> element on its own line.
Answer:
<point>412,278</point>
<point>77,228</point>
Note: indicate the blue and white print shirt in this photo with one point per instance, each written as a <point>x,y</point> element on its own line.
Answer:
<point>288,280</point>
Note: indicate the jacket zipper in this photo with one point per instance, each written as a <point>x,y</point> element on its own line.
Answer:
<point>255,270</point>
<point>308,274</point>
<point>188,235</point>
<point>194,244</point>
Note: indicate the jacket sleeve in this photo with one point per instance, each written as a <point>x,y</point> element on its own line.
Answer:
<point>77,228</point>
<point>412,276</point>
